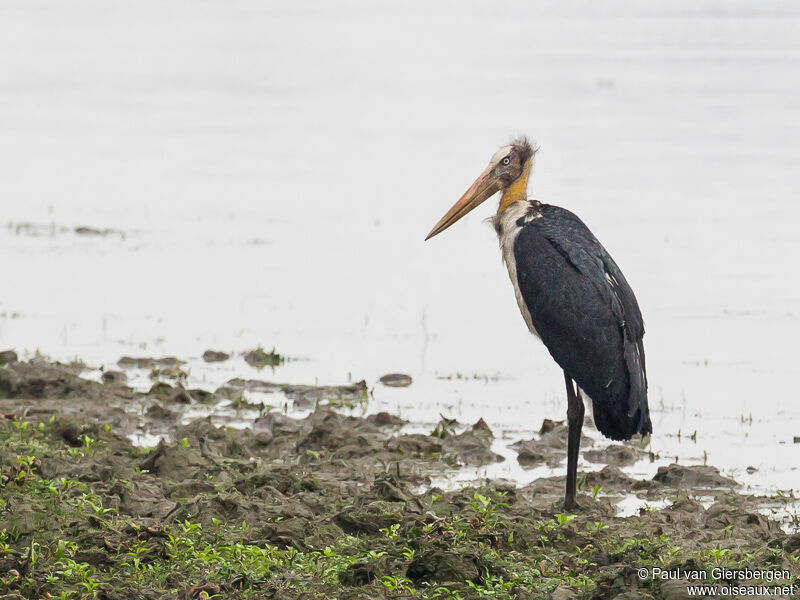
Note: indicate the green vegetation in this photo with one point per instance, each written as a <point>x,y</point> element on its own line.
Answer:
<point>70,529</point>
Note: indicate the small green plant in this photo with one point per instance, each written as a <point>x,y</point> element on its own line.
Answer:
<point>392,532</point>
<point>87,441</point>
<point>564,519</point>
<point>486,507</point>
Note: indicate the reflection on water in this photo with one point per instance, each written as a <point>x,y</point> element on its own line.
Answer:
<point>267,177</point>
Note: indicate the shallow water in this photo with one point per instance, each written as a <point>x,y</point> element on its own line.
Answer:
<point>269,173</point>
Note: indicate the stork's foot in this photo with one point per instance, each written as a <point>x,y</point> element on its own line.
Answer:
<point>571,506</point>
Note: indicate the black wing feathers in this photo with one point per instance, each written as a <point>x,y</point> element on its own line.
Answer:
<point>587,316</point>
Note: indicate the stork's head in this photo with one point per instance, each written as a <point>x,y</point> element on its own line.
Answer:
<point>508,172</point>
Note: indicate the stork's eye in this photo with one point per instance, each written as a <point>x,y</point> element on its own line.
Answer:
<point>506,160</point>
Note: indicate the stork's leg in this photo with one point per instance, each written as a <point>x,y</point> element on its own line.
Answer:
<point>575,411</point>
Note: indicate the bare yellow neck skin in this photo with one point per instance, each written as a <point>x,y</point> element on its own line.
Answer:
<point>516,192</point>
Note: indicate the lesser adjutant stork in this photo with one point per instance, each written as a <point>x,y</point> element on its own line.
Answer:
<point>572,296</point>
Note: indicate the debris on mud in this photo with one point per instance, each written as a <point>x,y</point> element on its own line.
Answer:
<point>259,358</point>
<point>329,505</point>
<point>445,427</point>
<point>8,356</point>
<point>175,373</point>
<point>95,232</point>
<point>53,230</point>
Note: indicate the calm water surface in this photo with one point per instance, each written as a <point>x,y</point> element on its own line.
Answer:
<point>273,170</point>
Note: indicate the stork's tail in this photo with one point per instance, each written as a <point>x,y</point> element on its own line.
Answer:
<point>617,424</point>
<point>620,418</point>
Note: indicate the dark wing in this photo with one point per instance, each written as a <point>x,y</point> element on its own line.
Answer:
<point>587,315</point>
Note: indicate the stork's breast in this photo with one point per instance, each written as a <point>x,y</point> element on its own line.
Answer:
<point>508,226</point>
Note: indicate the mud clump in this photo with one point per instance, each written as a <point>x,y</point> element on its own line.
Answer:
<point>470,447</point>
<point>302,396</point>
<point>115,377</point>
<point>416,444</point>
<point>396,380</point>
<point>36,379</point>
<point>212,356</point>
<point>8,356</point>
<point>549,448</point>
<point>445,567</point>
<point>166,392</point>
<point>609,478</point>
<point>695,476</point>
<point>329,505</point>
<point>384,419</point>
<point>367,571</point>
<point>615,454</point>
<point>129,362</point>
<point>792,544</point>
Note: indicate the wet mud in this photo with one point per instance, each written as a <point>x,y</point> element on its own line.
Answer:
<point>331,505</point>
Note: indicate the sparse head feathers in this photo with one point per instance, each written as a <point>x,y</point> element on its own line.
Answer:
<point>525,146</point>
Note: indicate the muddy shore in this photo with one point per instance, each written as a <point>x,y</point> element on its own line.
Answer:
<point>333,505</point>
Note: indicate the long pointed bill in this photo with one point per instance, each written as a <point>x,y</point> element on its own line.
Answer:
<point>484,187</point>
